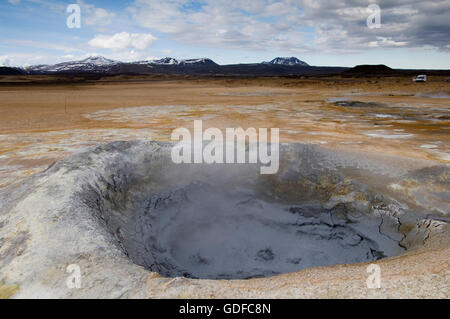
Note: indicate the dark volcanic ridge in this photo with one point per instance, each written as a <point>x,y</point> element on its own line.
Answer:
<point>280,66</point>
<point>5,70</point>
<point>370,69</point>
<point>381,70</point>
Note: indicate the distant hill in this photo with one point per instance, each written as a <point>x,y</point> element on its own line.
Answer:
<point>289,66</point>
<point>287,61</point>
<point>93,64</point>
<point>172,61</point>
<point>280,66</point>
<point>381,70</point>
<point>5,70</point>
<point>368,69</point>
<point>101,65</point>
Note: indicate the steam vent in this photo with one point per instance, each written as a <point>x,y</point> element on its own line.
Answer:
<point>139,225</point>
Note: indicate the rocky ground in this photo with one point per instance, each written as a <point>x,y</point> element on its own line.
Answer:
<point>405,123</point>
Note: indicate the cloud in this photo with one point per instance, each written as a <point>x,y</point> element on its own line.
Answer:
<point>96,17</point>
<point>68,57</point>
<point>219,23</point>
<point>405,23</point>
<point>22,59</point>
<point>123,40</point>
<point>41,45</point>
<point>128,56</point>
<point>298,25</point>
<point>5,60</point>
<point>100,17</point>
<point>14,2</point>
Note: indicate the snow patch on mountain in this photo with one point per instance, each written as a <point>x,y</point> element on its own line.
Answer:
<point>91,63</point>
<point>101,65</point>
<point>163,61</point>
<point>202,61</point>
<point>287,61</point>
<point>172,61</point>
<point>99,60</point>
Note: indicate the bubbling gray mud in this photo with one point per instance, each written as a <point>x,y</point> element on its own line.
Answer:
<point>228,221</point>
<point>203,231</point>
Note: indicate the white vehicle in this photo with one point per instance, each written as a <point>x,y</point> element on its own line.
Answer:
<point>420,78</point>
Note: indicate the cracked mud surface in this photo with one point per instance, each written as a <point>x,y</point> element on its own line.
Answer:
<point>205,231</point>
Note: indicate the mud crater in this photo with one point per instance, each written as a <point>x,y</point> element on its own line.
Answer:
<point>230,222</point>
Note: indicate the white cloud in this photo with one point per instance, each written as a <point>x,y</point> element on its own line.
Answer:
<point>68,57</point>
<point>96,17</point>
<point>122,55</point>
<point>381,41</point>
<point>123,40</point>
<point>297,25</point>
<point>5,60</point>
<point>99,17</point>
<point>14,1</point>
<point>23,59</point>
<point>42,45</point>
<point>127,56</point>
<point>248,24</point>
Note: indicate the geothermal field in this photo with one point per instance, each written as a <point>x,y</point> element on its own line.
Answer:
<point>86,178</point>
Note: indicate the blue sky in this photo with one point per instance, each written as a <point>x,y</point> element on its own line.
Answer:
<point>412,34</point>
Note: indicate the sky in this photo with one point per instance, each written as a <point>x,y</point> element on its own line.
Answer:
<point>398,33</point>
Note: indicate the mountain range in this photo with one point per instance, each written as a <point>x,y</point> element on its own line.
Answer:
<point>168,65</point>
<point>280,66</point>
<point>287,61</point>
